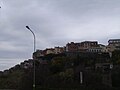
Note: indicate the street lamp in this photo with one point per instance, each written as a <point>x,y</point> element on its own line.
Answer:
<point>34,48</point>
<point>33,37</point>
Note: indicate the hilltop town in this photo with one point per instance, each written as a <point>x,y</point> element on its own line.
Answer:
<point>80,65</point>
<point>85,46</point>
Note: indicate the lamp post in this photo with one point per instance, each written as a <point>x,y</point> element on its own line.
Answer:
<point>34,48</point>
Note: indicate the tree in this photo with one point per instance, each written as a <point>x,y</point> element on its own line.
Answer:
<point>116,57</point>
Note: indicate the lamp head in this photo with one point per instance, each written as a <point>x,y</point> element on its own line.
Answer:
<point>27,27</point>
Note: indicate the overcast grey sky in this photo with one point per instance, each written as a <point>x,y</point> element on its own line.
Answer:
<point>55,23</point>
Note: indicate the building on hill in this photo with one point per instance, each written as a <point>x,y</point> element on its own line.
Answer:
<point>72,47</point>
<point>104,48</point>
<point>59,50</point>
<point>81,47</point>
<point>98,49</point>
<point>38,54</point>
<point>113,44</point>
<point>50,51</point>
<point>95,49</point>
<point>86,45</point>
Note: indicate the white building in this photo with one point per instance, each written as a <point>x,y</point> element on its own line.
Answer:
<point>50,51</point>
<point>103,47</point>
<point>59,50</point>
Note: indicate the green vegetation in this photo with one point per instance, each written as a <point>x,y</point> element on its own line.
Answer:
<point>16,78</point>
<point>116,57</point>
<point>116,70</point>
<point>62,73</point>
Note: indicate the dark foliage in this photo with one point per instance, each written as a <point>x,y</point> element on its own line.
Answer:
<point>62,72</point>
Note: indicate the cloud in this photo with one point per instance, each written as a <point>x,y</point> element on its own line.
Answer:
<point>55,22</point>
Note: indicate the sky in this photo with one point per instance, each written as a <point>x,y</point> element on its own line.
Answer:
<point>55,23</point>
